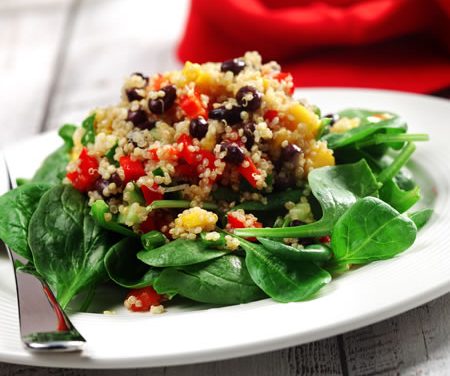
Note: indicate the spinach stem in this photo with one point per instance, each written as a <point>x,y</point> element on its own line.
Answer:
<point>387,138</point>
<point>177,204</point>
<point>392,170</point>
<point>305,231</point>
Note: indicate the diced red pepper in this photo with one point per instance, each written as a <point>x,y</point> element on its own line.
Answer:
<point>269,115</point>
<point>186,170</point>
<point>325,239</point>
<point>250,172</point>
<point>192,106</point>
<point>133,170</point>
<point>286,76</point>
<point>141,300</point>
<point>185,153</point>
<point>148,225</point>
<point>151,194</point>
<point>153,154</point>
<point>236,222</point>
<point>84,177</point>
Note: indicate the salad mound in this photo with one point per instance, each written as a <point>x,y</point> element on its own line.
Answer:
<point>216,184</point>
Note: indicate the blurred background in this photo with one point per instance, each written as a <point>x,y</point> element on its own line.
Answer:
<point>60,58</point>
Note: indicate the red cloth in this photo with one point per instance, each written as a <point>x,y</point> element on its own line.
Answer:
<point>393,44</point>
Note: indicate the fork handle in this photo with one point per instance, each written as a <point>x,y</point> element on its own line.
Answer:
<point>44,326</point>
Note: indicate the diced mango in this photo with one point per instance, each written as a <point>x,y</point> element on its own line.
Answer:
<point>321,156</point>
<point>197,217</point>
<point>191,71</point>
<point>298,113</point>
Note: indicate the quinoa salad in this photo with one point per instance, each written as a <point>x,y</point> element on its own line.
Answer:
<point>215,183</point>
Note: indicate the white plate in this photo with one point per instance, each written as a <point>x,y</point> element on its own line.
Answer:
<point>359,298</point>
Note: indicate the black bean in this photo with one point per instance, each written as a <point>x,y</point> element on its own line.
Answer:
<point>100,184</point>
<point>233,65</point>
<point>290,152</point>
<point>249,128</point>
<point>334,118</point>
<point>284,181</point>
<point>234,154</point>
<point>133,95</point>
<point>198,128</point>
<point>249,98</point>
<point>231,116</point>
<point>115,178</point>
<point>145,78</point>
<point>137,117</point>
<point>161,105</point>
<point>149,124</point>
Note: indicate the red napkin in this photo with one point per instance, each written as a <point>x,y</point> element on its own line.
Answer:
<point>393,44</point>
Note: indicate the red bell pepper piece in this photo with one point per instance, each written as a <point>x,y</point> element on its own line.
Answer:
<point>151,194</point>
<point>84,177</point>
<point>236,222</point>
<point>185,153</point>
<point>269,115</point>
<point>148,225</point>
<point>249,172</point>
<point>286,76</point>
<point>141,300</point>
<point>192,106</point>
<point>133,170</point>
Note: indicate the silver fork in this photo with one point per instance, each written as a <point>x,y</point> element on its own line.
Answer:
<point>44,326</point>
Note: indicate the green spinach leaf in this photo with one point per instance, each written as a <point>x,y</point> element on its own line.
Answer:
<point>16,209</point>
<point>53,169</point>
<point>315,252</point>
<point>284,281</point>
<point>371,230</point>
<point>221,281</point>
<point>398,198</point>
<point>89,130</point>
<point>421,217</point>
<point>67,244</point>
<point>366,128</point>
<point>180,252</point>
<point>125,269</point>
<point>336,189</point>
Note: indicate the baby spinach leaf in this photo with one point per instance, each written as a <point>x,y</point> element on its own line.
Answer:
<point>421,217</point>
<point>221,281</point>
<point>16,209</point>
<point>284,281</point>
<point>315,252</point>
<point>274,201</point>
<point>53,169</point>
<point>366,128</point>
<point>398,198</point>
<point>89,130</point>
<point>371,230</point>
<point>125,269</point>
<point>180,252</point>
<point>98,211</point>
<point>336,188</point>
<point>68,246</point>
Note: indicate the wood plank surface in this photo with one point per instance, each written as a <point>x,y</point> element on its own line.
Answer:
<point>59,58</point>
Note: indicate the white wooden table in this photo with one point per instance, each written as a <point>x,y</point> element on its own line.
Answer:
<point>60,58</point>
